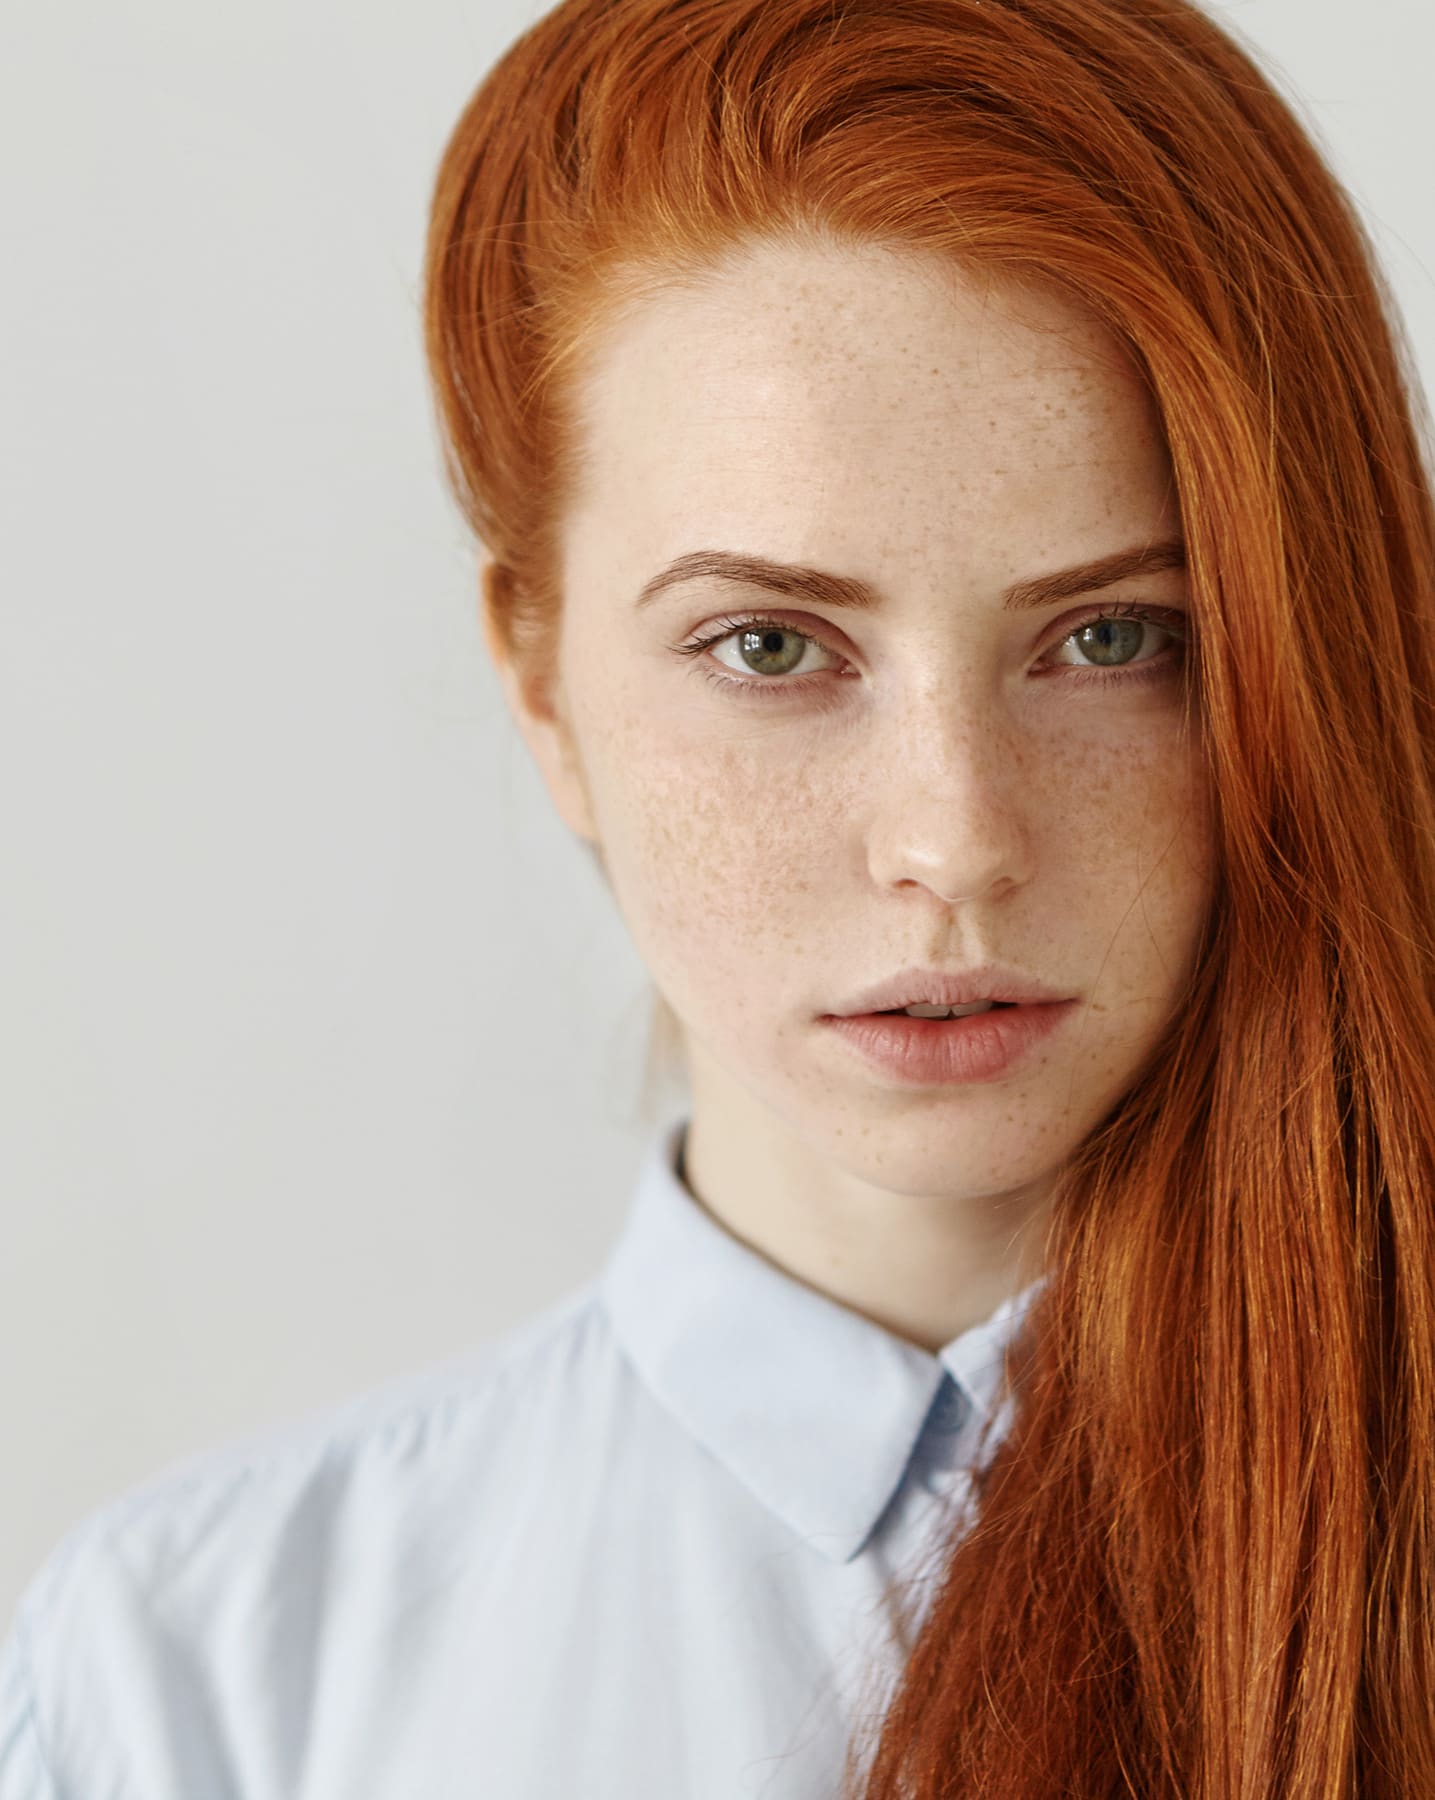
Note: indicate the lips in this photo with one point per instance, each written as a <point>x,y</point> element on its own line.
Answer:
<point>888,1011</point>
<point>935,986</point>
<point>981,1046</point>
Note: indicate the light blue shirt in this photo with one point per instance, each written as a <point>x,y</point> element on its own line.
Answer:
<point>634,1549</point>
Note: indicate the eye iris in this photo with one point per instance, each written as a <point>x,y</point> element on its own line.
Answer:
<point>1108,641</point>
<point>1098,639</point>
<point>766,647</point>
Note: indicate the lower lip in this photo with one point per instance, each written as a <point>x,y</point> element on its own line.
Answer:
<point>978,1047</point>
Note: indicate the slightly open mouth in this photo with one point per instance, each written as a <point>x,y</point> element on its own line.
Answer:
<point>893,1011</point>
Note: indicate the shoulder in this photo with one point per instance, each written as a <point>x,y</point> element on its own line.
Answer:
<point>228,1555</point>
<point>403,1426</point>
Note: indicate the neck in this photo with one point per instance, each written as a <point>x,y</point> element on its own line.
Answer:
<point>924,1253</point>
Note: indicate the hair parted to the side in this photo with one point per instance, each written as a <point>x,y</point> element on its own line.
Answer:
<point>1202,1562</point>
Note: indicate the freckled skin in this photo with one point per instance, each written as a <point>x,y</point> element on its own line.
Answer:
<point>939,435</point>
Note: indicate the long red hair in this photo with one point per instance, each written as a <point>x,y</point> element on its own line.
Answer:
<point>1202,1562</point>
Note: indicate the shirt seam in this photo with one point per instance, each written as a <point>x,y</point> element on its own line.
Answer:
<point>32,1705</point>
<point>297,1444</point>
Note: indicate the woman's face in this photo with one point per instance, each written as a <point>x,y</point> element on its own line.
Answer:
<point>933,779</point>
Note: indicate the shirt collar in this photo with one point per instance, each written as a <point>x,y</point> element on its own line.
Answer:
<point>815,1409</point>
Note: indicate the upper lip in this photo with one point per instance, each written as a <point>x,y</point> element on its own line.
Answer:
<point>949,987</point>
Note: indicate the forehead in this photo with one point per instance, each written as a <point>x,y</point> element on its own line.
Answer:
<point>799,393</point>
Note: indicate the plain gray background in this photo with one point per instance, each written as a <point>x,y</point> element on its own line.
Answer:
<point>322,1045</point>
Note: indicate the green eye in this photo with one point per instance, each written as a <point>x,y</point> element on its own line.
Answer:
<point>1112,641</point>
<point>1107,646</point>
<point>764,651</point>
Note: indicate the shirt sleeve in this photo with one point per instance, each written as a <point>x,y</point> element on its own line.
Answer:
<point>23,1773</point>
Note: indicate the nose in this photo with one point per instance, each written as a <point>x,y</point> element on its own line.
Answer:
<point>949,813</point>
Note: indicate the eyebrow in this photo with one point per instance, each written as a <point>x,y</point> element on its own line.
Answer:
<point>795,579</point>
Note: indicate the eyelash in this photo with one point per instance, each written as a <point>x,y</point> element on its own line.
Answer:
<point>1152,669</point>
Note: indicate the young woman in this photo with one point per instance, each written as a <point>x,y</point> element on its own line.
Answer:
<point>955,535</point>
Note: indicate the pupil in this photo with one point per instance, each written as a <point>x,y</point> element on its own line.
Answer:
<point>1114,635</point>
<point>765,650</point>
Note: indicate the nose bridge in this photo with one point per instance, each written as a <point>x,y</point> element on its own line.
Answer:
<point>952,724</point>
<point>949,709</point>
<point>950,814</point>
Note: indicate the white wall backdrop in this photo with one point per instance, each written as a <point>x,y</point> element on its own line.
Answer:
<point>320,1045</point>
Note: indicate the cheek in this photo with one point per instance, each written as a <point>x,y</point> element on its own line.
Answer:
<point>691,830</point>
<point>1135,838</point>
<point>714,851</point>
<point>1177,823</point>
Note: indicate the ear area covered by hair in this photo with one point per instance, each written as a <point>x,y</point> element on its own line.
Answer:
<point>535,705</point>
